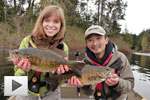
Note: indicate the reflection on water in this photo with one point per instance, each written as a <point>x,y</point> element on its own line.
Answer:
<point>142,61</point>
<point>141,69</point>
<point>139,64</point>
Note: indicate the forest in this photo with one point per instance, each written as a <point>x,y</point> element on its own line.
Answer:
<point>17,19</point>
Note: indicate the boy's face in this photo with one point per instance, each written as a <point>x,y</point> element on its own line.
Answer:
<point>51,25</point>
<point>97,43</point>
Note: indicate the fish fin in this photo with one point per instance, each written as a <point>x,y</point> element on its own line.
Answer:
<point>100,76</point>
<point>77,72</point>
<point>58,51</point>
<point>77,65</point>
<point>52,82</point>
<point>93,86</point>
<point>77,68</point>
<point>80,63</point>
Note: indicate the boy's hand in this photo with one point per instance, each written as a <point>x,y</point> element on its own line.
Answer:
<point>112,81</point>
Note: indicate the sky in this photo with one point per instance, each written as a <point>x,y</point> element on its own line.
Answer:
<point>137,16</point>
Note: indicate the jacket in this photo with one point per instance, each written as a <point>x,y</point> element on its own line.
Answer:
<point>126,78</point>
<point>26,42</point>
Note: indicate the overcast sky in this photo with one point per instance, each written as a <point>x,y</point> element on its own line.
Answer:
<point>137,16</point>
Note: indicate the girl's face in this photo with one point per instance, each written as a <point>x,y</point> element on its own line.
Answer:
<point>51,25</point>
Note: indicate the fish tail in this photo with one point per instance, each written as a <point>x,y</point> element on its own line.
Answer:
<point>52,83</point>
<point>77,64</point>
<point>77,68</point>
<point>80,64</point>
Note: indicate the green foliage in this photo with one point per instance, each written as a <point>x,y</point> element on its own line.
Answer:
<point>110,12</point>
<point>2,14</point>
<point>134,42</point>
<point>143,43</point>
<point>130,39</point>
<point>115,29</point>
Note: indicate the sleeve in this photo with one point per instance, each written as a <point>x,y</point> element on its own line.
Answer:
<point>126,78</point>
<point>17,70</point>
<point>66,49</point>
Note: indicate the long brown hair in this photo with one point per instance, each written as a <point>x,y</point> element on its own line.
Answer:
<point>38,33</point>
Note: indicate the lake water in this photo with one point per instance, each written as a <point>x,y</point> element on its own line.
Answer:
<point>140,66</point>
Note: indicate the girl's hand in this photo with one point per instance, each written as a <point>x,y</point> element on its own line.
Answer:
<point>24,64</point>
<point>74,81</point>
<point>61,69</point>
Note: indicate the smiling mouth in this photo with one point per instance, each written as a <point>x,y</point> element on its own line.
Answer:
<point>50,30</point>
<point>95,48</point>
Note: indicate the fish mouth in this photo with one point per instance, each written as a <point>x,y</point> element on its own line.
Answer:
<point>12,55</point>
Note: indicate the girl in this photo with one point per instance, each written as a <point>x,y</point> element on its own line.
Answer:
<point>48,32</point>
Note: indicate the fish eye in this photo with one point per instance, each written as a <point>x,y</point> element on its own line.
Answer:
<point>17,52</point>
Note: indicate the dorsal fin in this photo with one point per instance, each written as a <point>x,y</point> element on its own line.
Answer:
<point>60,52</point>
<point>77,64</point>
<point>56,50</point>
<point>77,68</point>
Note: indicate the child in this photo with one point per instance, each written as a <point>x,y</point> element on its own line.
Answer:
<point>48,32</point>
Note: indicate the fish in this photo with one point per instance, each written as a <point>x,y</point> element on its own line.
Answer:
<point>91,75</point>
<point>43,60</point>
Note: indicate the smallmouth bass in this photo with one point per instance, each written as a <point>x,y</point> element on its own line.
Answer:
<point>90,75</point>
<point>43,60</point>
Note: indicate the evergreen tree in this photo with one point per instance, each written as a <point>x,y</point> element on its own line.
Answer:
<point>2,10</point>
<point>110,12</point>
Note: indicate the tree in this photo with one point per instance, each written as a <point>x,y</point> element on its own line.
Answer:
<point>115,28</point>
<point>144,41</point>
<point>110,12</point>
<point>2,10</point>
<point>134,42</point>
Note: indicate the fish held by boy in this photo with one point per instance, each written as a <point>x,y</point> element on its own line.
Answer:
<point>90,75</point>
